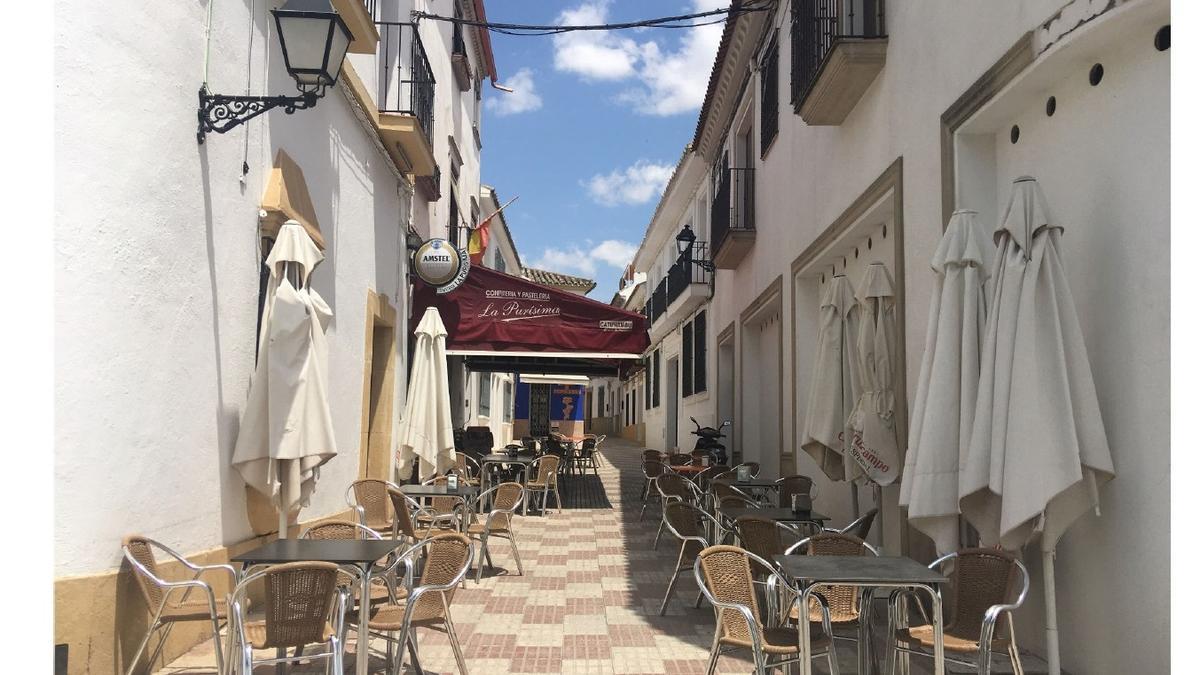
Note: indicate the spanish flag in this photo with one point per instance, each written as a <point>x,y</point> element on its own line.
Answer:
<point>478,243</point>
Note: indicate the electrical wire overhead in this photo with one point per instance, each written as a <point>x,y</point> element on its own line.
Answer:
<point>677,21</point>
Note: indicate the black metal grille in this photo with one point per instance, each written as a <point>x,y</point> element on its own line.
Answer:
<point>769,109</point>
<point>406,82</point>
<point>687,359</point>
<point>657,377</point>
<point>818,25</point>
<point>658,301</point>
<point>684,272</point>
<point>458,44</point>
<point>732,205</point>
<point>700,349</point>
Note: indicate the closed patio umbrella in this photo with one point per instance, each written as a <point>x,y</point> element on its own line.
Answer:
<point>426,430</point>
<point>286,432</point>
<point>944,408</point>
<point>833,389</point>
<point>871,424</point>
<point>1038,448</point>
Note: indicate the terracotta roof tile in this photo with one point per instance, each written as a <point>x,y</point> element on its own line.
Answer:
<point>557,279</point>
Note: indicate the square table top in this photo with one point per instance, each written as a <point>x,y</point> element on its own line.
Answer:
<point>783,515</point>
<point>340,551</point>
<point>508,459</point>
<point>860,569</point>
<point>464,490</point>
<point>755,483</point>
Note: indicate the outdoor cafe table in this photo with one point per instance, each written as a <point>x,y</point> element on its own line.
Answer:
<point>864,572</point>
<point>360,553</point>
<point>501,459</point>
<point>776,513</point>
<point>464,492</point>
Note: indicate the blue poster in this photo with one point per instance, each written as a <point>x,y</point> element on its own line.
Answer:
<point>566,403</point>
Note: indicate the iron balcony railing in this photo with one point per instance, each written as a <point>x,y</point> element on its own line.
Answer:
<point>658,301</point>
<point>406,83</point>
<point>732,205</point>
<point>685,272</point>
<point>818,25</point>
<point>458,45</point>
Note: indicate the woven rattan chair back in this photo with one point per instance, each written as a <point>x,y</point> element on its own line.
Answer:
<point>684,519</point>
<point>652,455</point>
<point>547,470</point>
<point>443,505</point>
<point>794,485</point>
<point>737,502</point>
<point>334,529</point>
<point>460,463</point>
<point>982,577</point>
<point>727,576</point>
<point>843,600</point>
<point>299,599</point>
<point>674,485</point>
<point>404,515</point>
<point>371,495</point>
<point>139,548</point>
<point>652,468</point>
<point>505,499</point>
<point>446,557</point>
<point>679,459</point>
<point>761,536</point>
<point>721,489</point>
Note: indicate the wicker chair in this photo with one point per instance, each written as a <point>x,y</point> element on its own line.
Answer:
<point>304,605</point>
<point>168,607</point>
<point>654,455</point>
<point>585,457</point>
<point>427,605</point>
<point>754,467</point>
<point>651,470</point>
<point>983,586</point>
<point>679,459</point>
<point>687,524</point>
<point>844,603</point>
<point>673,487</point>
<point>443,511</point>
<point>506,498</point>
<point>723,573</point>
<point>381,586</point>
<point>861,527</point>
<point>369,499</point>
<point>467,468</point>
<point>732,502</point>
<point>545,480</point>
<point>793,485</point>
<point>764,537</point>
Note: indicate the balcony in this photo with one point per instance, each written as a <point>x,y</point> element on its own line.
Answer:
<point>658,301</point>
<point>357,15</point>
<point>459,60</point>
<point>431,186</point>
<point>838,47</point>
<point>732,217</point>
<point>406,89</point>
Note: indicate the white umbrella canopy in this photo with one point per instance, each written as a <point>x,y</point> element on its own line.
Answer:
<point>834,387</point>
<point>944,408</point>
<point>426,430</point>
<point>286,432</point>
<point>871,424</point>
<point>1038,448</point>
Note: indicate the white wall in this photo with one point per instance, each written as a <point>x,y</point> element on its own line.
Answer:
<point>1103,163</point>
<point>158,271</point>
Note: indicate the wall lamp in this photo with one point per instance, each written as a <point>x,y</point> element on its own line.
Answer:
<point>684,242</point>
<point>314,40</point>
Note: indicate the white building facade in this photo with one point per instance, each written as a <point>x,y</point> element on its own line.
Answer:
<point>816,158</point>
<point>160,243</point>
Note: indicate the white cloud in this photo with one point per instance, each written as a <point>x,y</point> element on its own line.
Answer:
<point>669,81</point>
<point>576,260</point>
<point>523,98</point>
<point>633,185</point>
<point>596,55</point>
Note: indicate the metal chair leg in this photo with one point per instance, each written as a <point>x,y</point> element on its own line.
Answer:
<point>714,653</point>
<point>217,644</point>
<point>480,559</point>
<point>458,653</point>
<point>512,541</point>
<point>662,610</point>
<point>142,647</point>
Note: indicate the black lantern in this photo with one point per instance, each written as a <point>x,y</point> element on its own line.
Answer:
<point>412,240</point>
<point>314,40</point>
<point>685,239</point>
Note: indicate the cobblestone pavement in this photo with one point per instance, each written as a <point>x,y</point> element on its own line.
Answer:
<point>587,603</point>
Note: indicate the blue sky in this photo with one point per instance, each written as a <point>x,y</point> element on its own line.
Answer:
<point>594,129</point>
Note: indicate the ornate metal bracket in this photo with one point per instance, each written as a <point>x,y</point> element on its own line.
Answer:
<point>220,113</point>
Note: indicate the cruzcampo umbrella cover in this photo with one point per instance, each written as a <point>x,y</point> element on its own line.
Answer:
<point>871,425</point>
<point>944,407</point>
<point>833,389</point>
<point>1038,447</point>
<point>286,432</point>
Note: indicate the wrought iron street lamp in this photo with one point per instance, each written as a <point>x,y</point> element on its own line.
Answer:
<point>314,40</point>
<point>684,242</point>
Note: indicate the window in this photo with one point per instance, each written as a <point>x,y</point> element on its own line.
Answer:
<point>687,360</point>
<point>633,409</point>
<point>700,349</point>
<point>485,394</point>
<point>626,408</point>
<point>657,377</point>
<point>452,226</point>
<point>769,96</point>
<point>602,402</point>
<point>646,385</point>
<point>508,402</point>
<point>499,261</point>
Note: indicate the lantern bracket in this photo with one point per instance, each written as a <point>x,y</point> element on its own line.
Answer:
<point>222,112</point>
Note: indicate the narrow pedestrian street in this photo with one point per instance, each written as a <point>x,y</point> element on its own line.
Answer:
<point>587,603</point>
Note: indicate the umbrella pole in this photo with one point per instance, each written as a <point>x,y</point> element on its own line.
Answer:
<point>1053,667</point>
<point>854,499</point>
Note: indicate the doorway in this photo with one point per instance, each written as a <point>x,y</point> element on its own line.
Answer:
<point>379,361</point>
<point>539,410</point>
<point>673,404</point>
<point>725,390</point>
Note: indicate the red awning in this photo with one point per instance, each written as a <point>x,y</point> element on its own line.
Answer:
<point>493,312</point>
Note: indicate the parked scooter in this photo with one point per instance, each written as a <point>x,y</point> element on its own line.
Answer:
<point>707,439</point>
